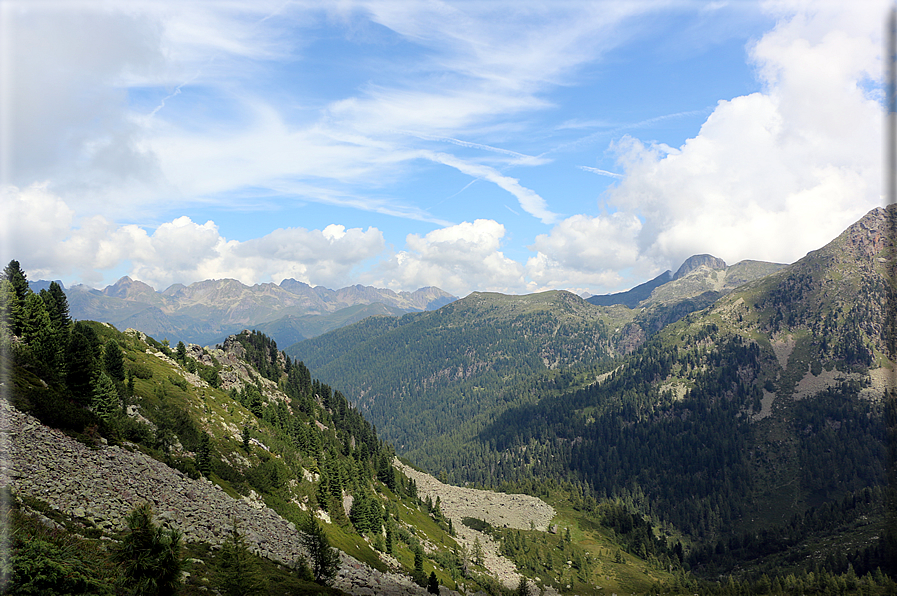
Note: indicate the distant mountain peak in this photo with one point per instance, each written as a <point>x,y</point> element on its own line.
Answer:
<point>128,288</point>
<point>207,310</point>
<point>695,261</point>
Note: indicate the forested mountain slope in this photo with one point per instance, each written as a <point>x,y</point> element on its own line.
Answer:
<point>763,406</point>
<point>420,375</point>
<point>769,403</point>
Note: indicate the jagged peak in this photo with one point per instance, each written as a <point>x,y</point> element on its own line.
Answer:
<point>695,261</point>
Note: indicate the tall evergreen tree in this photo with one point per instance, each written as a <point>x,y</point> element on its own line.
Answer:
<point>419,575</point>
<point>237,573</point>
<point>113,361</point>
<point>204,455</point>
<point>10,309</point>
<point>324,558</point>
<point>104,401</point>
<point>16,276</point>
<point>37,331</point>
<point>81,362</point>
<point>59,313</point>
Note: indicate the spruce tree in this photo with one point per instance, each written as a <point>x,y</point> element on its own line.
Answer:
<point>433,584</point>
<point>246,436</point>
<point>81,362</point>
<point>104,401</point>
<point>37,330</point>
<point>324,558</point>
<point>10,309</point>
<point>419,576</point>
<point>204,455</point>
<point>59,313</point>
<point>149,556</point>
<point>113,361</point>
<point>236,571</point>
<point>16,276</point>
<point>389,538</point>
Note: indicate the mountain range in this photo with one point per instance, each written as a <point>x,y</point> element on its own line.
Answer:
<point>206,312</point>
<point>714,418</point>
<point>721,430</point>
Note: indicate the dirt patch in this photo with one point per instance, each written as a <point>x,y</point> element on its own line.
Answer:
<point>810,385</point>
<point>765,406</point>
<point>783,348</point>
<point>879,380</point>
<point>499,509</point>
<point>676,387</point>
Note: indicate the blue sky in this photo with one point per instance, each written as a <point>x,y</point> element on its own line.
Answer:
<point>502,146</point>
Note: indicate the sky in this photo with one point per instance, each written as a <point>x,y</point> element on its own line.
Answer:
<point>508,146</point>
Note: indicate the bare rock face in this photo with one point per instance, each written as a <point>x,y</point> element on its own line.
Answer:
<point>695,261</point>
<point>869,236</point>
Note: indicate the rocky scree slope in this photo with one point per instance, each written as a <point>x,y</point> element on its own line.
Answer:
<point>97,488</point>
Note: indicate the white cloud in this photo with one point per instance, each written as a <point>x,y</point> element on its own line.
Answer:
<point>42,234</point>
<point>529,201</point>
<point>583,251</point>
<point>458,259</point>
<point>774,174</point>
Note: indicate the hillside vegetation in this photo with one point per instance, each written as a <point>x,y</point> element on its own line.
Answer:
<point>165,425</point>
<point>745,419</point>
<point>742,449</point>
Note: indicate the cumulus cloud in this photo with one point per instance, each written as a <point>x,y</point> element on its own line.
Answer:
<point>44,236</point>
<point>458,259</point>
<point>586,252</point>
<point>777,173</point>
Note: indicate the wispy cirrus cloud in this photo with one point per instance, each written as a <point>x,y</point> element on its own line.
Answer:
<point>601,172</point>
<point>529,201</point>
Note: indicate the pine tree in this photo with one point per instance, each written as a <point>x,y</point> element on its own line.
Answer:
<point>419,576</point>
<point>14,275</point>
<point>324,558</point>
<point>149,556</point>
<point>113,361</point>
<point>81,361</point>
<point>59,312</point>
<point>37,331</point>
<point>523,587</point>
<point>104,401</point>
<point>389,538</point>
<point>477,552</point>
<point>433,584</point>
<point>245,436</point>
<point>10,309</point>
<point>204,455</point>
<point>181,354</point>
<point>236,572</point>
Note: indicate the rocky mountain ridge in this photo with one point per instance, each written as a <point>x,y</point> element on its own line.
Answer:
<point>206,312</point>
<point>704,277</point>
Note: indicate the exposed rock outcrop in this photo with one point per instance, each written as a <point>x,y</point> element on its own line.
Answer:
<point>695,261</point>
